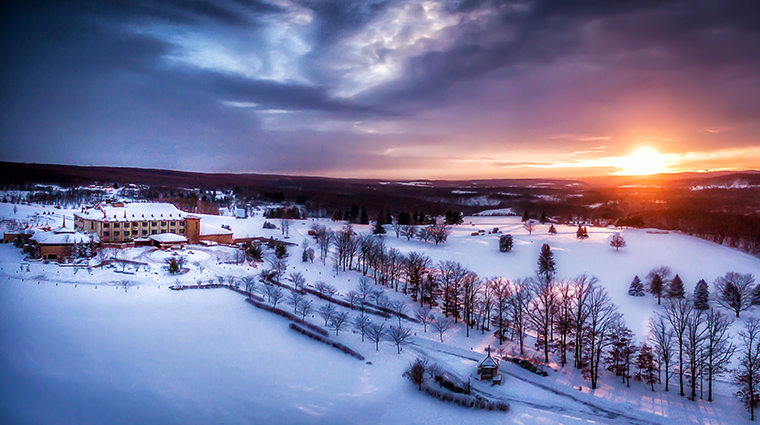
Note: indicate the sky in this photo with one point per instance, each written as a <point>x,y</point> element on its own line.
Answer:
<point>384,89</point>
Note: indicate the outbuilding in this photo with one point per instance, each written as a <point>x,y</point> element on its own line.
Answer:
<point>168,240</point>
<point>488,368</point>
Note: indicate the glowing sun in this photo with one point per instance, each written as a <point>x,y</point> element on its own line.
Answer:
<point>643,161</point>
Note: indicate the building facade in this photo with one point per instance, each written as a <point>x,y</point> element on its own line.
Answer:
<point>122,222</point>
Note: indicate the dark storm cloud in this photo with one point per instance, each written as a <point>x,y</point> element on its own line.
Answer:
<point>332,86</point>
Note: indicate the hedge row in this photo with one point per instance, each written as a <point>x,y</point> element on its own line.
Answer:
<point>327,341</point>
<point>287,315</point>
<point>370,310</point>
<point>216,285</point>
<point>464,400</point>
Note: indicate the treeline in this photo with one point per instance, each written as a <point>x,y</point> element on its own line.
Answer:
<point>734,230</point>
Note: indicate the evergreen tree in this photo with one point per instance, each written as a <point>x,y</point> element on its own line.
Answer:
<point>581,233</point>
<point>280,251</point>
<point>552,230</point>
<point>379,229</point>
<point>547,268</point>
<point>656,286</point>
<point>403,218</point>
<point>702,295</point>
<point>637,288</point>
<point>647,366</point>
<point>388,218</point>
<point>525,216</point>
<point>364,217</point>
<point>337,215</point>
<point>506,242</point>
<point>676,289</point>
<point>543,217</point>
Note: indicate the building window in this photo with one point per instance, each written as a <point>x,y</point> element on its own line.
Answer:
<point>106,234</point>
<point>134,233</point>
<point>153,232</point>
<point>106,225</point>
<point>163,224</point>
<point>181,231</point>
<point>145,224</point>
<point>145,233</point>
<point>116,225</point>
<point>116,233</point>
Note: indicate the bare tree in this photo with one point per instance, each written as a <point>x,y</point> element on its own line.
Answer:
<point>394,261</point>
<point>718,347</point>
<point>361,324</point>
<point>694,341</point>
<point>399,335</point>
<point>399,309</point>
<point>563,320</point>
<point>583,286</point>
<point>295,299</point>
<point>338,321</point>
<point>409,231</point>
<point>734,291</point>
<point>125,284</point>
<point>662,338</point>
<point>484,306</point>
<point>415,267</point>
<point>617,241</point>
<point>470,289</point>
<point>450,276</point>
<point>747,374</point>
<point>327,291</point>
<point>396,226</point>
<point>603,319</point>
<point>305,309</point>
<point>285,227</point>
<point>530,226</point>
<point>519,299</point>
<point>441,325</point>
<point>249,284</point>
<point>541,309</point>
<point>424,316</point>
<point>376,333</point>
<point>273,293</point>
<point>327,312</point>
<point>278,267</point>
<point>439,231</point>
<point>502,295</point>
<point>298,280</point>
<point>324,238</point>
<point>677,312</point>
<point>365,289</point>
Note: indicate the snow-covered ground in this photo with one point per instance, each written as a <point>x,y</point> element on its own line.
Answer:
<point>77,348</point>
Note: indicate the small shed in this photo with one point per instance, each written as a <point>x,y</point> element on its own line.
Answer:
<point>488,368</point>
<point>167,240</point>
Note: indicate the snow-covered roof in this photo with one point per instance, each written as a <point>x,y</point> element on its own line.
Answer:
<point>487,362</point>
<point>210,229</point>
<point>43,237</point>
<point>168,238</point>
<point>143,211</point>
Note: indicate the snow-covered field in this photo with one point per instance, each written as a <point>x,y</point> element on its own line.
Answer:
<point>76,348</point>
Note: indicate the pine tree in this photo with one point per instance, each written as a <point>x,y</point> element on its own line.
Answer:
<point>552,230</point>
<point>546,264</point>
<point>525,216</point>
<point>656,287</point>
<point>676,289</point>
<point>543,217</point>
<point>702,295</point>
<point>647,366</point>
<point>582,233</point>
<point>506,242</point>
<point>364,217</point>
<point>637,288</point>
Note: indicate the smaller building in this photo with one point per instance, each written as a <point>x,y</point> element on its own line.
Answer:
<point>58,244</point>
<point>215,234</point>
<point>168,241</point>
<point>241,212</point>
<point>488,368</point>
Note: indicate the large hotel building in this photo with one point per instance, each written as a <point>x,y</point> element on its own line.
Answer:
<point>121,222</point>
